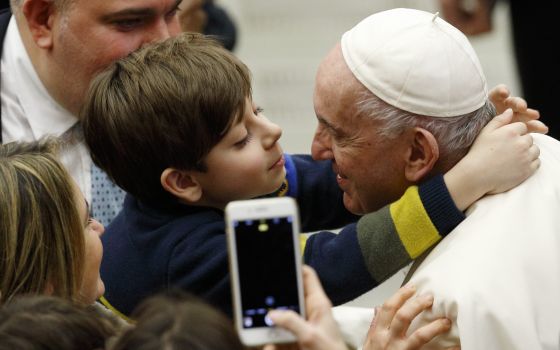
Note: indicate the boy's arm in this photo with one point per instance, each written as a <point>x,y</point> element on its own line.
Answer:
<point>502,156</point>
<point>364,254</point>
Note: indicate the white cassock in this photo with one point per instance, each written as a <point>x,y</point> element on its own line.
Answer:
<point>497,275</point>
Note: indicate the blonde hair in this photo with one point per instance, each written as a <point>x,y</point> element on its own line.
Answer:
<point>41,233</point>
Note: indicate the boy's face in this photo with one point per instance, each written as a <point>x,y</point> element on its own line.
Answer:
<point>248,162</point>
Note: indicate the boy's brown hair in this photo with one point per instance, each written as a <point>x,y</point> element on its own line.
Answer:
<point>166,105</point>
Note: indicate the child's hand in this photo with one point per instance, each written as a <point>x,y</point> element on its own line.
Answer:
<point>505,153</point>
<point>389,328</point>
<point>502,156</point>
<point>500,97</point>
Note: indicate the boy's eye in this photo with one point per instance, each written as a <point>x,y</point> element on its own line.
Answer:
<point>244,141</point>
<point>259,110</point>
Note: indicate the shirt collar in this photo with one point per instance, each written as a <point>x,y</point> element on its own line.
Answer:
<point>44,117</point>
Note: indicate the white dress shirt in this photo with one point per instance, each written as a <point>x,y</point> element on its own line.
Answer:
<point>497,275</point>
<point>29,112</point>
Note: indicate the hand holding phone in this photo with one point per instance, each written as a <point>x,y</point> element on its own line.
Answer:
<point>265,266</point>
<point>320,323</point>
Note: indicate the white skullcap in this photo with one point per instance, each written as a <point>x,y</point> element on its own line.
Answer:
<point>417,62</point>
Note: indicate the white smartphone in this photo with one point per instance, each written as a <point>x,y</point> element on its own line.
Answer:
<point>265,266</point>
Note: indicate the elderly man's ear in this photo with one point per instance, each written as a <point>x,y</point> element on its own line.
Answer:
<point>40,19</point>
<point>422,154</point>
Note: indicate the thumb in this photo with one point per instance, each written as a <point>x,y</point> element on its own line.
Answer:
<point>289,320</point>
<point>501,119</point>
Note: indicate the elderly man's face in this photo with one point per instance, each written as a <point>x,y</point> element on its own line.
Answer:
<point>369,168</point>
<point>90,34</point>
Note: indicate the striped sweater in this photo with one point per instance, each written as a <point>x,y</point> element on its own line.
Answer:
<point>366,253</point>
<point>148,248</point>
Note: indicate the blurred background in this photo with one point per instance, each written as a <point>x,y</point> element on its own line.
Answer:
<point>283,42</point>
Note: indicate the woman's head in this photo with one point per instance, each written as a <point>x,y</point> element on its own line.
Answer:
<point>41,227</point>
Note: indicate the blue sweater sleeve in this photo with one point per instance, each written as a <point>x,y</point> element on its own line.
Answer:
<point>339,263</point>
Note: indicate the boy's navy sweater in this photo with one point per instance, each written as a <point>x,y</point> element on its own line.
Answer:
<point>148,249</point>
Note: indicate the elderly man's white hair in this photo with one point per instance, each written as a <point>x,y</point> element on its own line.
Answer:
<point>455,135</point>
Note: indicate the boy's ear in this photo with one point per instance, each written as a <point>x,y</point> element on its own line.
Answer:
<point>181,184</point>
<point>422,155</point>
<point>40,15</point>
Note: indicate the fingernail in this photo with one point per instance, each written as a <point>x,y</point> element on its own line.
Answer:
<point>410,286</point>
<point>446,322</point>
<point>428,298</point>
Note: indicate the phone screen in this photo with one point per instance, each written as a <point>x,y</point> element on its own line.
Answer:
<point>267,268</point>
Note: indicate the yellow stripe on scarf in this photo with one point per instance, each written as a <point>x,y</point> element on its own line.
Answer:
<point>414,227</point>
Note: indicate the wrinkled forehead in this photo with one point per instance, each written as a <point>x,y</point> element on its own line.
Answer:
<point>333,69</point>
<point>336,89</point>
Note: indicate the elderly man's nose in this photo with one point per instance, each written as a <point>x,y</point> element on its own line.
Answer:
<point>321,146</point>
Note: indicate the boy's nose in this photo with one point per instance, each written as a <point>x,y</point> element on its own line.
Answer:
<point>273,134</point>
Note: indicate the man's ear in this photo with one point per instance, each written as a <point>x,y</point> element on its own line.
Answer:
<point>40,18</point>
<point>181,184</point>
<point>423,153</point>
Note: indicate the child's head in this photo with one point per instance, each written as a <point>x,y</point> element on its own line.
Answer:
<point>43,322</point>
<point>154,120</point>
<point>178,321</point>
<point>49,245</point>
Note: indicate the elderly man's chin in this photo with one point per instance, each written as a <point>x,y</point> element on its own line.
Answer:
<point>365,204</point>
<point>353,204</point>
